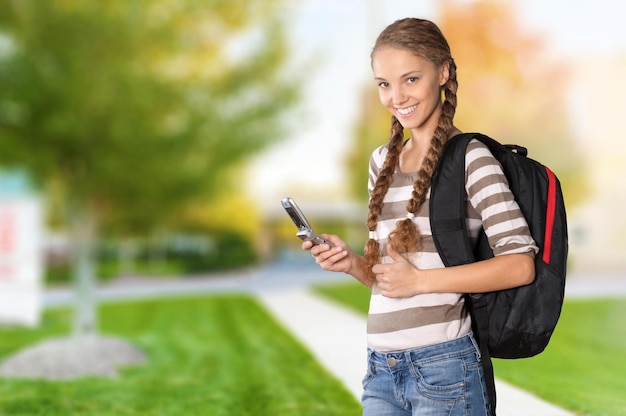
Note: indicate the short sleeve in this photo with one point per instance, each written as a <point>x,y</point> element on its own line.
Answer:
<point>489,194</point>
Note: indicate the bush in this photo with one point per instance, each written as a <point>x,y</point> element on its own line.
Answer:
<point>183,254</point>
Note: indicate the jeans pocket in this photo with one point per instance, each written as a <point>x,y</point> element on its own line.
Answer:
<point>442,379</point>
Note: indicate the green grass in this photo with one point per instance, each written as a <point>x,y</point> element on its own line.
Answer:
<point>213,355</point>
<point>584,366</point>
<point>582,369</point>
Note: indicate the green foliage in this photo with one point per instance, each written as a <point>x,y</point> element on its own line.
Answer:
<point>228,250</point>
<point>206,356</point>
<point>582,368</point>
<point>128,112</point>
<point>134,110</point>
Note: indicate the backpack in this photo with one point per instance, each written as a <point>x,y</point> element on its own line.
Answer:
<point>518,322</point>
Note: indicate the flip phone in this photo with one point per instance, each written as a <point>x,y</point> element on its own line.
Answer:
<point>305,232</point>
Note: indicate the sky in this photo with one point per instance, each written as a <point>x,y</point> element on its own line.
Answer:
<point>337,36</point>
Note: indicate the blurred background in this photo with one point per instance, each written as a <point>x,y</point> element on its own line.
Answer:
<point>145,146</point>
<point>156,138</point>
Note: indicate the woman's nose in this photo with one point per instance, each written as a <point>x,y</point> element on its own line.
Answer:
<point>398,96</point>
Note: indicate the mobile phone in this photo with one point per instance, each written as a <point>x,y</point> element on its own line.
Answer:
<point>305,232</point>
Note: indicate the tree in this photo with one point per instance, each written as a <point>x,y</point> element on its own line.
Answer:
<point>510,87</point>
<point>132,111</point>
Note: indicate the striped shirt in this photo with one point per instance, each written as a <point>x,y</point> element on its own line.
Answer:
<point>400,324</point>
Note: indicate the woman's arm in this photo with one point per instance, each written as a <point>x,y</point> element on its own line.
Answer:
<point>337,259</point>
<point>402,279</point>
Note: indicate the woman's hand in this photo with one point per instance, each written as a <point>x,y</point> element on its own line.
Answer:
<point>334,259</point>
<point>399,279</point>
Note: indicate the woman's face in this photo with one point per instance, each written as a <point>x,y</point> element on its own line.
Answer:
<point>409,86</point>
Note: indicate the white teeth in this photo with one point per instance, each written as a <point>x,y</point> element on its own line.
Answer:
<point>408,110</point>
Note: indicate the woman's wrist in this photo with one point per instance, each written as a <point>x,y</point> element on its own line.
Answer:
<point>356,269</point>
<point>426,281</point>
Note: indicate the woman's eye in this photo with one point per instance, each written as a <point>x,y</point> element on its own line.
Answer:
<point>411,80</point>
<point>383,84</point>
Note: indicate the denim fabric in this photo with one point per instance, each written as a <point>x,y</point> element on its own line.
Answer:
<point>441,379</point>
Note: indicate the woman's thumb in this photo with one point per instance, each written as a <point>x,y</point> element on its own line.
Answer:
<point>393,253</point>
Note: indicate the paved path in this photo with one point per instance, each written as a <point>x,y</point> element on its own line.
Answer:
<point>280,277</point>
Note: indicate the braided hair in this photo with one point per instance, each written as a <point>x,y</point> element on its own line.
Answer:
<point>424,39</point>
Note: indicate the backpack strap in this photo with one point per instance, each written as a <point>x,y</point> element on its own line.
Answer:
<point>447,204</point>
<point>449,231</point>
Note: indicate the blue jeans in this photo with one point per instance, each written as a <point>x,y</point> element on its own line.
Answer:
<point>441,379</point>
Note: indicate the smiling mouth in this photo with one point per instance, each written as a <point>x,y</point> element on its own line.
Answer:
<point>406,111</point>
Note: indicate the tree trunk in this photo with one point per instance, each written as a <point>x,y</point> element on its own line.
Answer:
<point>85,309</point>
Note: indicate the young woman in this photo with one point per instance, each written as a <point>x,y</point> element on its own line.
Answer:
<point>423,358</point>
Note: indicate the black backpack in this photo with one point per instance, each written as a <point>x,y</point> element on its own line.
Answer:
<point>518,322</point>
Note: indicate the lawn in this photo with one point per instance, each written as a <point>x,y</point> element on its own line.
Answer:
<point>583,369</point>
<point>211,355</point>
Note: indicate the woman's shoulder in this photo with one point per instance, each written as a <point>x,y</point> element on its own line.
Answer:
<point>477,150</point>
<point>481,165</point>
<point>380,153</point>
<point>474,145</point>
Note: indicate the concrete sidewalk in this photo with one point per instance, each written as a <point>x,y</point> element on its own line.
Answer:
<point>336,337</point>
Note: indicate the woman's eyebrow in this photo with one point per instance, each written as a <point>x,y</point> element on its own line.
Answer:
<point>414,72</point>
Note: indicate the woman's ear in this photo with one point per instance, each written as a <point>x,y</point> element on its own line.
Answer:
<point>444,73</point>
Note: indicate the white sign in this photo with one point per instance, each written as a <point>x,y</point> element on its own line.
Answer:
<point>21,260</point>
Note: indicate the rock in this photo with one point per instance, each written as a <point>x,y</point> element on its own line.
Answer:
<point>72,357</point>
